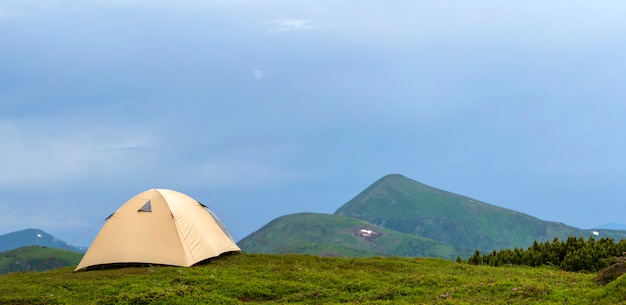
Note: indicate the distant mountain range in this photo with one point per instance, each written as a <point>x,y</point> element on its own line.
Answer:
<point>411,219</point>
<point>612,226</point>
<point>33,237</point>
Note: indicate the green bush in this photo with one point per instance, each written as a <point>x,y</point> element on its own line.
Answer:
<point>574,254</point>
<point>612,272</point>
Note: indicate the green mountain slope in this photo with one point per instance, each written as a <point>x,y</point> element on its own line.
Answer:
<point>404,205</point>
<point>332,235</point>
<point>36,258</point>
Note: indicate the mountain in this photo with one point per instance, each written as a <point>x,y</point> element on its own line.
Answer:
<point>33,237</point>
<point>402,217</point>
<point>333,235</point>
<point>612,226</point>
<point>37,258</point>
<point>404,205</point>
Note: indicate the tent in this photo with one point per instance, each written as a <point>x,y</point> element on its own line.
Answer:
<point>159,226</point>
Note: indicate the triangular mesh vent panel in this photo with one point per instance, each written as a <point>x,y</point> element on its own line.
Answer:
<point>146,207</point>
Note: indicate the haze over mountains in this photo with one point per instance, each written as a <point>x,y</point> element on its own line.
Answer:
<point>611,226</point>
<point>398,207</point>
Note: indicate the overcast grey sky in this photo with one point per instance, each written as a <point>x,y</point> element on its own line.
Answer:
<point>264,108</point>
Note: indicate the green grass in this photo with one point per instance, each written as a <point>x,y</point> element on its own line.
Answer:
<point>36,258</point>
<point>304,279</point>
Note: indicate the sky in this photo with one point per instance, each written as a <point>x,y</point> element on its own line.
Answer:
<point>260,109</point>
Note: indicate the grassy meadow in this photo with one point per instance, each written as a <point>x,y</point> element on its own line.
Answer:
<point>305,279</point>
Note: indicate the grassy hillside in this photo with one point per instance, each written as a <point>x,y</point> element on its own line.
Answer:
<point>36,258</point>
<point>276,279</point>
<point>332,235</point>
<point>404,205</point>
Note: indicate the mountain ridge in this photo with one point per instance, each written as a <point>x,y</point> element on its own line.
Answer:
<point>408,206</point>
<point>397,203</point>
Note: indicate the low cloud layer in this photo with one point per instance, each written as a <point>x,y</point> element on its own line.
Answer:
<point>294,24</point>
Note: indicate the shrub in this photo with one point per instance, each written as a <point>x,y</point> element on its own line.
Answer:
<point>612,272</point>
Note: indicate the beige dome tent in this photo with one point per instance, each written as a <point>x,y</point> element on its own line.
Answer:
<point>159,227</point>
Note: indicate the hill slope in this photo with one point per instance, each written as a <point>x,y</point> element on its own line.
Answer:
<point>405,205</point>
<point>33,237</point>
<point>36,258</point>
<point>332,235</point>
<point>305,279</point>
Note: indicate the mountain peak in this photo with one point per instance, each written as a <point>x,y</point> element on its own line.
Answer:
<point>399,203</point>
<point>33,237</point>
<point>391,178</point>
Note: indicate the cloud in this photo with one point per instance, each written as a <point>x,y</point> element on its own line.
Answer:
<point>293,25</point>
<point>259,73</point>
<point>37,152</point>
<point>240,171</point>
<point>29,9</point>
